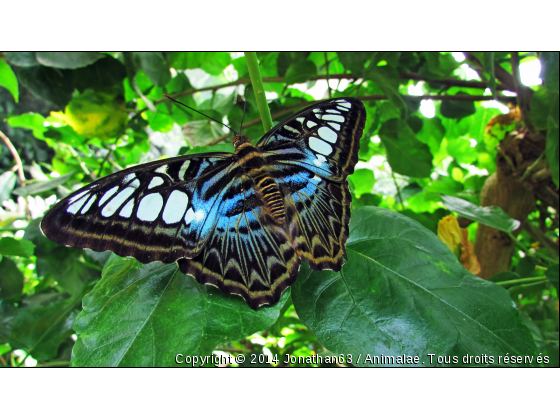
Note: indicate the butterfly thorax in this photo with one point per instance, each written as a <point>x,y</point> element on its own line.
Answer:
<point>253,164</point>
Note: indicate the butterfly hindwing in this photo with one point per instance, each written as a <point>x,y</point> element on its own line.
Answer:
<point>248,253</point>
<point>159,211</point>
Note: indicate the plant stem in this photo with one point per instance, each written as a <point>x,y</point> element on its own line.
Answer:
<point>17,159</point>
<point>526,251</point>
<point>258,89</point>
<point>521,281</point>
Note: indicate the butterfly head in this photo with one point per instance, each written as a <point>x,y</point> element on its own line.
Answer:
<point>239,141</point>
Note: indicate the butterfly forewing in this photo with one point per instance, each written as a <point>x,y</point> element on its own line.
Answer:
<point>322,138</point>
<point>159,211</point>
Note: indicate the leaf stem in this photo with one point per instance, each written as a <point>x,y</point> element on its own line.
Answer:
<point>17,159</point>
<point>258,89</point>
<point>521,281</point>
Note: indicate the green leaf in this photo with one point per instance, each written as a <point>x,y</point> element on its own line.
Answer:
<point>363,180</point>
<point>31,121</point>
<point>300,72</point>
<point>42,186</point>
<point>11,280</point>
<point>549,70</point>
<point>15,247</point>
<point>403,291</point>
<point>68,60</point>
<point>64,264</point>
<point>53,85</point>
<point>155,67</point>
<point>552,275</point>
<point>492,216</point>
<point>552,137</point>
<point>7,183</point>
<point>144,315</point>
<point>102,74</point>
<point>387,79</point>
<point>42,324</point>
<point>22,59</point>
<point>432,133</point>
<point>8,80</point>
<point>456,109</point>
<point>355,61</point>
<point>406,155</point>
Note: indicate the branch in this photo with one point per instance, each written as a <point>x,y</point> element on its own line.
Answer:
<point>536,233</point>
<point>15,154</point>
<point>405,76</point>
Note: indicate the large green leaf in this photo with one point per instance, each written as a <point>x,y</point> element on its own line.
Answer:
<point>406,155</point>
<point>492,216</point>
<point>68,60</point>
<point>144,315</point>
<point>8,80</point>
<point>102,74</point>
<point>403,292</point>
<point>549,70</point>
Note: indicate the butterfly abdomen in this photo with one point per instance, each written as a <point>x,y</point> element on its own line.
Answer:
<point>253,163</point>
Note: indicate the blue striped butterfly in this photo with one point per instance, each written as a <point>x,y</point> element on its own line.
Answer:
<point>240,221</point>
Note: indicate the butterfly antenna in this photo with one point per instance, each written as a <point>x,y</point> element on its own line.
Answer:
<point>244,107</point>
<point>181,103</point>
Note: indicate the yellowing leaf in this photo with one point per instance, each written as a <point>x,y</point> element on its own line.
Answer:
<point>457,240</point>
<point>450,233</point>
<point>98,114</point>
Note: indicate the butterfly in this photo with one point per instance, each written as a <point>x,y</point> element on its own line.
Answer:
<point>240,221</point>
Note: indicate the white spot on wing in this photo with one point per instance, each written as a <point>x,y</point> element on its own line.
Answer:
<point>344,103</point>
<point>189,216</point>
<point>337,118</point>
<point>150,207</point>
<point>300,119</point>
<point>311,124</point>
<point>108,195</point>
<point>175,207</point>
<point>88,205</point>
<point>126,211</point>
<point>162,169</point>
<point>77,205</point>
<point>116,202</point>
<point>327,134</point>
<point>335,126</point>
<point>155,182</point>
<point>78,196</point>
<point>320,160</point>
<point>320,146</point>
<point>183,169</point>
<point>128,178</point>
<point>316,179</point>
<point>293,130</point>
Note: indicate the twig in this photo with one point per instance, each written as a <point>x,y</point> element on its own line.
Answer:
<point>339,77</point>
<point>258,89</point>
<point>521,281</point>
<point>15,154</point>
<point>398,190</point>
<point>537,234</point>
<point>531,167</point>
